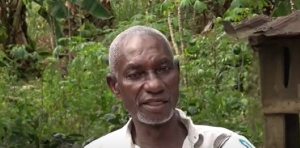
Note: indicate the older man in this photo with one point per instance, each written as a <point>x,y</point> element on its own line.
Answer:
<point>145,77</point>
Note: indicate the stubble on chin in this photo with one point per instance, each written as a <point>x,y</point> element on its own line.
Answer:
<point>144,119</point>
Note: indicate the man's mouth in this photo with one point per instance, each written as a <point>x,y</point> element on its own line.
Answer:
<point>155,103</point>
<point>154,106</point>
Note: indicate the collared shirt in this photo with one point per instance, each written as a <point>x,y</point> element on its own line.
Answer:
<point>199,136</point>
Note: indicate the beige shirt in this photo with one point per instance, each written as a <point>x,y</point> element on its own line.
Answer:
<point>199,136</point>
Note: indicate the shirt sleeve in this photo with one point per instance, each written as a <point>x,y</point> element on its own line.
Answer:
<point>237,141</point>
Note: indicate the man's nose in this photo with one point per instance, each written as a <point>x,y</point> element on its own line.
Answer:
<point>154,84</point>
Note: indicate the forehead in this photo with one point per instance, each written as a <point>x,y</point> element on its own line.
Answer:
<point>142,45</point>
<point>140,49</point>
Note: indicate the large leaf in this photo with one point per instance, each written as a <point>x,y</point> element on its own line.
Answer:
<point>185,3</point>
<point>95,9</point>
<point>283,8</point>
<point>200,6</point>
<point>58,9</point>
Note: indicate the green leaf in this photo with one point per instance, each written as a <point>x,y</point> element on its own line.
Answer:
<point>57,51</point>
<point>96,9</point>
<point>200,6</point>
<point>58,9</point>
<point>192,110</point>
<point>166,6</point>
<point>45,54</point>
<point>35,56</point>
<point>19,52</point>
<point>239,3</point>
<point>185,3</point>
<point>40,2</point>
<point>283,8</point>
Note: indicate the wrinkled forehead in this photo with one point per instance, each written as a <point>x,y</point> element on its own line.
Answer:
<point>136,44</point>
<point>140,49</point>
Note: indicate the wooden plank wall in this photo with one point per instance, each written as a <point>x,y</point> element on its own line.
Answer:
<point>280,91</point>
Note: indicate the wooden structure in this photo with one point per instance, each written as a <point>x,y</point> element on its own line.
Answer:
<point>246,27</point>
<point>277,42</point>
<point>278,45</point>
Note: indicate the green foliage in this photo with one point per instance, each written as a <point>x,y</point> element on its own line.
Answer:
<point>217,86</point>
<point>96,9</point>
<point>3,33</point>
<point>167,6</point>
<point>74,104</point>
<point>259,4</point>
<point>58,9</point>
<point>200,6</point>
<point>19,52</point>
<point>68,103</point>
<point>284,7</point>
<point>123,10</point>
<point>54,11</point>
<point>185,3</point>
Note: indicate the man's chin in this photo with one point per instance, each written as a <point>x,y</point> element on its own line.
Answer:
<point>151,121</point>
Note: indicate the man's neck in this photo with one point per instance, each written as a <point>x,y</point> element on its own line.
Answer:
<point>169,134</point>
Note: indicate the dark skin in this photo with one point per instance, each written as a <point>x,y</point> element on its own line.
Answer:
<point>147,82</point>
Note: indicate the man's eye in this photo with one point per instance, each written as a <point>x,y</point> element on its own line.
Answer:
<point>163,69</point>
<point>135,75</point>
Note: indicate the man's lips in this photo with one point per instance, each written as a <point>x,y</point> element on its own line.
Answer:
<point>154,105</point>
<point>154,102</point>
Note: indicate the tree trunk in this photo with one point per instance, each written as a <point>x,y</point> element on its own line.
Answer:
<point>177,52</point>
<point>18,35</point>
<point>180,29</point>
<point>13,18</point>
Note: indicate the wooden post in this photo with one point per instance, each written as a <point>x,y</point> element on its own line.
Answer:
<point>275,131</point>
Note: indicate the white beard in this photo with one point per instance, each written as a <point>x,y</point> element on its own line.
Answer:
<point>144,119</point>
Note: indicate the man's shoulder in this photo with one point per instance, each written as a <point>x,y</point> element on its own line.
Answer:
<point>223,137</point>
<point>205,129</point>
<point>108,140</point>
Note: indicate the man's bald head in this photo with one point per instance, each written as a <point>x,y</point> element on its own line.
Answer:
<point>116,47</point>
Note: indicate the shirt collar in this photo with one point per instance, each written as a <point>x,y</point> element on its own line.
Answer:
<point>193,135</point>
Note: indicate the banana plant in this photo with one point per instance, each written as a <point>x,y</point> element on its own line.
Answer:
<point>54,10</point>
<point>13,25</point>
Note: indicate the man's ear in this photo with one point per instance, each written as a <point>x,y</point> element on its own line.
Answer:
<point>176,61</point>
<point>112,83</point>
